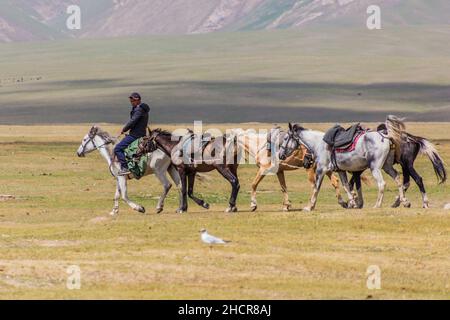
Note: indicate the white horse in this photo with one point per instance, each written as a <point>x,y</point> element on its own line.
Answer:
<point>158,163</point>
<point>373,151</point>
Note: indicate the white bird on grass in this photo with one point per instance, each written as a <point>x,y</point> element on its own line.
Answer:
<point>209,239</point>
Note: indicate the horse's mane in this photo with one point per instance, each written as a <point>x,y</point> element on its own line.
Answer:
<point>162,132</point>
<point>105,135</point>
<point>298,127</point>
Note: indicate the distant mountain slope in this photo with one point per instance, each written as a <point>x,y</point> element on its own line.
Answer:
<point>22,20</point>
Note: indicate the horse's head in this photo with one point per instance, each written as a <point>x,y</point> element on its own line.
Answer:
<point>291,141</point>
<point>93,140</point>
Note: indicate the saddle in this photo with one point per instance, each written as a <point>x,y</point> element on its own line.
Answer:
<point>189,148</point>
<point>338,137</point>
<point>341,140</point>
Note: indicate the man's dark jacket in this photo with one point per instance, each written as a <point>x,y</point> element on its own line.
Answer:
<point>138,122</point>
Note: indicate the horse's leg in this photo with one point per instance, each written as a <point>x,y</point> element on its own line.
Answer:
<point>390,170</point>
<point>311,176</point>
<point>344,180</point>
<point>115,209</point>
<point>406,183</point>
<point>419,181</point>
<point>335,184</point>
<point>357,180</point>
<point>286,203</point>
<point>122,181</point>
<point>378,176</point>
<point>235,191</point>
<point>259,177</point>
<point>352,182</point>
<point>166,185</point>
<point>191,182</point>
<point>351,185</point>
<point>233,180</point>
<point>320,174</point>
<point>176,179</point>
<point>184,202</point>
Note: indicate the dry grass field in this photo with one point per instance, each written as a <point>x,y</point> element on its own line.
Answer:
<point>59,217</point>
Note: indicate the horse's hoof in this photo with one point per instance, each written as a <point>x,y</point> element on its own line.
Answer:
<point>307,209</point>
<point>159,210</point>
<point>231,209</point>
<point>407,204</point>
<point>180,211</point>
<point>396,204</point>
<point>352,205</point>
<point>253,208</point>
<point>206,206</point>
<point>113,213</point>
<point>426,206</point>
<point>286,209</point>
<point>344,205</point>
<point>141,209</point>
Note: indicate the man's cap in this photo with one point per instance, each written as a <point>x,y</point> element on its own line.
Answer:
<point>135,96</point>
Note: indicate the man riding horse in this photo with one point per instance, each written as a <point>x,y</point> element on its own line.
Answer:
<point>137,127</point>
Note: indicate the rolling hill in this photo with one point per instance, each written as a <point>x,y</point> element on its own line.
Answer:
<point>22,20</point>
<point>312,75</point>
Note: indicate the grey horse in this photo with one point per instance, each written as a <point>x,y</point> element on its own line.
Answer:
<point>373,151</point>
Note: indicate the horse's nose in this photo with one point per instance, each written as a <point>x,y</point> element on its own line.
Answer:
<point>282,157</point>
<point>80,154</point>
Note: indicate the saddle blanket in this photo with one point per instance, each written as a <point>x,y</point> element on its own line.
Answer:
<point>136,166</point>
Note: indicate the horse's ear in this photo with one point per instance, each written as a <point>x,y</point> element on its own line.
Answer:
<point>290,126</point>
<point>93,131</point>
<point>149,130</point>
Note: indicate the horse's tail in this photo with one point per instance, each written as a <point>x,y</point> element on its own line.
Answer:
<point>428,149</point>
<point>395,128</point>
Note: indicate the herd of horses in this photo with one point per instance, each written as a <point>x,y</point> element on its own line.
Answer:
<point>297,147</point>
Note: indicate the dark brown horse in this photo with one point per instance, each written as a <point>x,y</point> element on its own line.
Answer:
<point>410,148</point>
<point>219,153</point>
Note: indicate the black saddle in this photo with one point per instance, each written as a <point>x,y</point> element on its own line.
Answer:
<point>338,137</point>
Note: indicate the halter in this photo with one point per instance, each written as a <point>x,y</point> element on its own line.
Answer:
<point>299,141</point>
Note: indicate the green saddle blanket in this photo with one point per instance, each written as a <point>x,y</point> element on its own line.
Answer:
<point>136,167</point>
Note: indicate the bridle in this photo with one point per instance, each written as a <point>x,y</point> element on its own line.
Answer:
<point>91,140</point>
<point>294,136</point>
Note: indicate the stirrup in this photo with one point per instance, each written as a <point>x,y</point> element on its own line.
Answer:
<point>123,172</point>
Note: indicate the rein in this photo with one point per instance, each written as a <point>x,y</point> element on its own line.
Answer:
<point>300,142</point>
